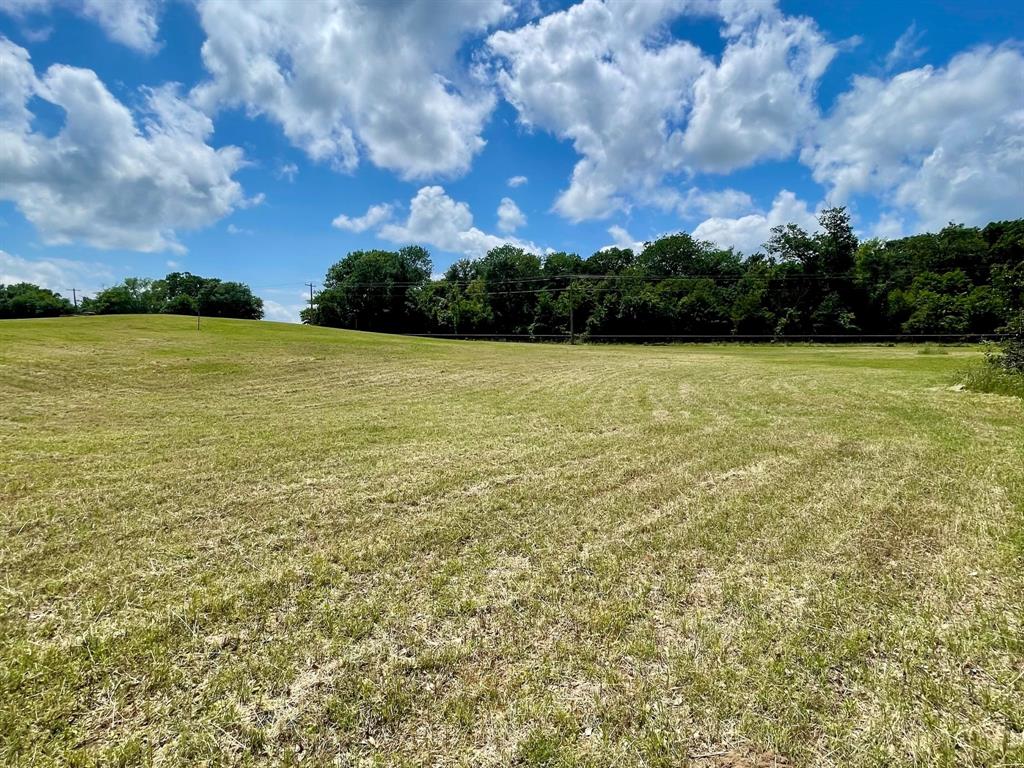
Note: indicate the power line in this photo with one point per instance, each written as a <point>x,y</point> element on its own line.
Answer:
<point>613,277</point>
<point>722,336</point>
<point>523,291</point>
<point>755,278</point>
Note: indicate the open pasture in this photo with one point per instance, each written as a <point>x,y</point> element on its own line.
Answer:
<point>269,544</point>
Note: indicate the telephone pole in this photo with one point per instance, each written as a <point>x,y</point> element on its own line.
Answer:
<point>312,319</point>
<point>572,312</point>
<point>74,296</point>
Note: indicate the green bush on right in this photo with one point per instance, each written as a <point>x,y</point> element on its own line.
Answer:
<point>1003,370</point>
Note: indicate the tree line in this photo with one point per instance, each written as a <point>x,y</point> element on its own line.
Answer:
<point>960,281</point>
<point>179,293</point>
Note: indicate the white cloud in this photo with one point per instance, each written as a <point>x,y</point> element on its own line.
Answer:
<point>517,181</point>
<point>60,275</point>
<point>595,74</point>
<point>282,313</point>
<point>37,35</point>
<point>510,218</point>
<point>133,23</point>
<point>641,107</point>
<point>945,144</point>
<point>622,239</point>
<point>725,202</point>
<point>906,49</point>
<point>103,179</point>
<point>236,230</point>
<point>889,226</point>
<point>748,233</point>
<point>436,219</point>
<point>374,216</point>
<point>252,202</point>
<point>344,78</point>
<point>759,101</point>
<point>172,264</point>
<point>288,171</point>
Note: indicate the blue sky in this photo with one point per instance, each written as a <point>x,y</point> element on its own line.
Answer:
<point>307,130</point>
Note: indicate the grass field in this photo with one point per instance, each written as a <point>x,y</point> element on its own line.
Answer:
<point>270,544</point>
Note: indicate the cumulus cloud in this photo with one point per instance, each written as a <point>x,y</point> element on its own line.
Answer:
<point>517,181</point>
<point>945,144</point>
<point>510,218</point>
<point>641,107</point>
<point>344,78</point>
<point>437,220</point>
<point>60,275</point>
<point>281,312</point>
<point>725,202</point>
<point>105,178</point>
<point>889,226</point>
<point>622,239</point>
<point>133,23</point>
<point>375,215</point>
<point>759,101</point>
<point>748,233</point>
<point>283,305</point>
<point>594,75</point>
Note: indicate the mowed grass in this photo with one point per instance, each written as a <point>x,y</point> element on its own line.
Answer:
<point>260,544</point>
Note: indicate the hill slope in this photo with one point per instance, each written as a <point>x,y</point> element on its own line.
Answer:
<point>257,543</point>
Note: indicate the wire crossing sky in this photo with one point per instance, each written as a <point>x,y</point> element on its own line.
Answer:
<point>261,142</point>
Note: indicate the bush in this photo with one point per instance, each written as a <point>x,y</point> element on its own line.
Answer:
<point>994,380</point>
<point>1003,370</point>
<point>1010,354</point>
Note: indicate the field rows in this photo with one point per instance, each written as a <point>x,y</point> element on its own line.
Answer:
<point>262,544</point>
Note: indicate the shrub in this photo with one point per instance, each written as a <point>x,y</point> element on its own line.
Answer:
<point>1003,370</point>
<point>1010,354</point>
<point>993,379</point>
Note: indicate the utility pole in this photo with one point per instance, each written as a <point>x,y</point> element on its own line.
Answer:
<point>311,287</point>
<point>572,312</point>
<point>74,296</point>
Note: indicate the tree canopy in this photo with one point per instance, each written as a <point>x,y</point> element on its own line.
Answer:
<point>28,300</point>
<point>179,293</point>
<point>962,280</point>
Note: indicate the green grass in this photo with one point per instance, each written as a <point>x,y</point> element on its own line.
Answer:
<point>985,377</point>
<point>262,544</point>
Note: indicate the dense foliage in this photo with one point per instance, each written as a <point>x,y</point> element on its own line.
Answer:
<point>369,290</point>
<point>180,293</point>
<point>27,300</point>
<point>963,280</point>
